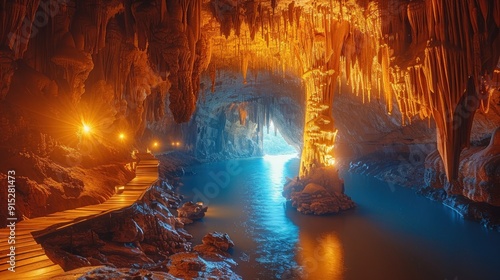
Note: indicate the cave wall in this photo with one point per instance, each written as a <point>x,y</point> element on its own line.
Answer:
<point>135,67</point>
<point>116,66</point>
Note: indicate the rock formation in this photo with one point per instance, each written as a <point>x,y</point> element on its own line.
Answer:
<point>190,212</point>
<point>143,240</point>
<point>320,193</point>
<point>142,68</point>
<point>479,178</point>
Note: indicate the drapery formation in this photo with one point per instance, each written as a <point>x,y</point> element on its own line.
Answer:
<point>430,58</point>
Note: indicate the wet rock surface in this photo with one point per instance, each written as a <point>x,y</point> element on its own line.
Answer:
<point>320,193</point>
<point>479,173</point>
<point>209,260</point>
<point>314,199</point>
<point>144,241</point>
<point>420,167</point>
<point>218,240</point>
<point>191,211</point>
<point>111,273</point>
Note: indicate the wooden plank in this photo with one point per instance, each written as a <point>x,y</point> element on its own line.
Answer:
<point>26,255</point>
<point>41,273</point>
<point>39,259</point>
<point>31,269</point>
<point>18,245</point>
<point>31,261</point>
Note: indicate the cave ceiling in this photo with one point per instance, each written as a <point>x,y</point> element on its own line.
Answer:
<point>428,59</point>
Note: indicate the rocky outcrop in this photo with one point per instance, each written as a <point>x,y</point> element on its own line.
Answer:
<point>209,259</point>
<point>190,212</point>
<point>107,272</point>
<point>320,193</point>
<point>51,177</point>
<point>479,173</point>
<point>144,240</point>
<point>218,240</point>
<point>315,199</point>
<point>139,236</point>
<point>192,266</point>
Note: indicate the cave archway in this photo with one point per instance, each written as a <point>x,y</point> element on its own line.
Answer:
<point>234,121</point>
<point>274,143</point>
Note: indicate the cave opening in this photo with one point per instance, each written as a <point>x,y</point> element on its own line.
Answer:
<point>274,143</point>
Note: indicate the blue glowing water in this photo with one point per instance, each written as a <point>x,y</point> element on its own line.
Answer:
<point>392,234</point>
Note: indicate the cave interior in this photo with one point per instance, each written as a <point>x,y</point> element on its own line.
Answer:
<point>405,92</point>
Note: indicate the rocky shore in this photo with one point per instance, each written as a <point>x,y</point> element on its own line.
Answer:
<point>144,241</point>
<point>419,168</point>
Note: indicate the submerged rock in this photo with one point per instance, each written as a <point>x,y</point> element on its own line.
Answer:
<point>191,211</point>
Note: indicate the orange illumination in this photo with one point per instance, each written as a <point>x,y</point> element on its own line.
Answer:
<point>86,128</point>
<point>155,144</point>
<point>322,255</point>
<point>121,136</point>
<point>177,143</point>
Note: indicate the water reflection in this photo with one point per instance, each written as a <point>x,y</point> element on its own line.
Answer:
<point>276,235</point>
<point>320,256</point>
<point>276,168</point>
<point>389,235</point>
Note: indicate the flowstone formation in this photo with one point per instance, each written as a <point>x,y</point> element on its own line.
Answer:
<point>479,168</point>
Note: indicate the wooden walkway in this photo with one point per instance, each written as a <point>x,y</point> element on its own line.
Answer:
<point>31,261</point>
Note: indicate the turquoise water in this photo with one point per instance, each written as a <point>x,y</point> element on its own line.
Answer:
<point>392,234</point>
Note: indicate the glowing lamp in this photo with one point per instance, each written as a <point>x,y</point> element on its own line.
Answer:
<point>177,143</point>
<point>86,128</point>
<point>121,136</point>
<point>155,144</point>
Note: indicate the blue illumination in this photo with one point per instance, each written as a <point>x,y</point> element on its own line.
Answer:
<point>276,173</point>
<point>276,144</point>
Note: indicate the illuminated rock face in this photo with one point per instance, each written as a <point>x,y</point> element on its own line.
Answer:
<point>479,173</point>
<point>141,64</point>
<point>419,54</point>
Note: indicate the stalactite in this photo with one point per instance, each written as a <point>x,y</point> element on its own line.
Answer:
<point>417,19</point>
<point>386,77</point>
<point>245,59</point>
<point>379,46</point>
<point>243,113</point>
<point>17,25</point>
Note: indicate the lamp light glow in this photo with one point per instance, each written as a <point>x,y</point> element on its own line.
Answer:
<point>86,128</point>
